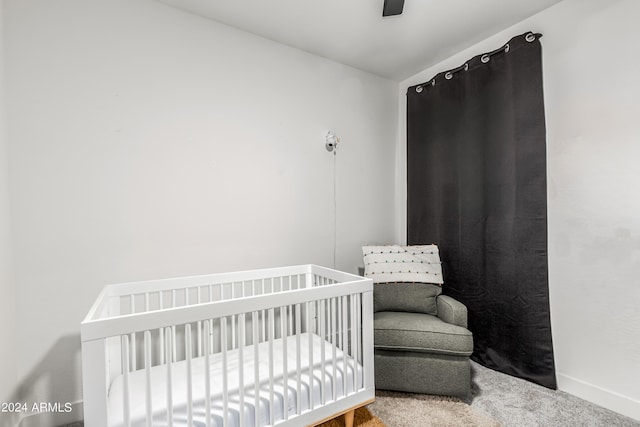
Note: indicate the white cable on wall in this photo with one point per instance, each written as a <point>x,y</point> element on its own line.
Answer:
<point>331,144</point>
<point>335,207</point>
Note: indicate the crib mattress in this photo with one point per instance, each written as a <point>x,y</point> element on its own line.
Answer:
<point>137,386</point>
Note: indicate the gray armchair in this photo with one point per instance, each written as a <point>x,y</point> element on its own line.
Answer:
<point>421,340</point>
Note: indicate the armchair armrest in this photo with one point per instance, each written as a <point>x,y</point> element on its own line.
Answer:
<point>451,311</point>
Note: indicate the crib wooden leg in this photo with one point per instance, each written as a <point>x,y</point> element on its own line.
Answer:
<point>348,418</point>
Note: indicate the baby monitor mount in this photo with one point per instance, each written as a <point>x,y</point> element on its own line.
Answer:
<point>331,141</point>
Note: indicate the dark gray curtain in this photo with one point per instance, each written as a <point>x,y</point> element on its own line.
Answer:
<point>476,186</point>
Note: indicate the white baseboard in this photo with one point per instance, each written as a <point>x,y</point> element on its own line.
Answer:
<point>49,419</point>
<point>606,398</point>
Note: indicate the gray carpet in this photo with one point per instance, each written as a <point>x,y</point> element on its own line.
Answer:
<point>515,402</point>
<point>422,410</point>
<point>496,399</point>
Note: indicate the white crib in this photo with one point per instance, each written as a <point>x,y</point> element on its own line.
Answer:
<point>288,346</point>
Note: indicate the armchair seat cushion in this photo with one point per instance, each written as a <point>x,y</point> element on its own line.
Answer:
<point>419,332</point>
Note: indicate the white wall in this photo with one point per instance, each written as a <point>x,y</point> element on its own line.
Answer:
<point>592,99</point>
<point>7,286</point>
<point>149,143</point>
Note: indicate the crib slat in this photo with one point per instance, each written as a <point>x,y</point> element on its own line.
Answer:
<point>161,331</point>
<point>285,356</point>
<point>225,380</point>
<point>271,333</point>
<point>310,335</point>
<point>298,360</point>
<point>322,315</point>
<point>199,332</point>
<point>255,317</point>
<point>170,346</point>
<point>338,322</point>
<point>319,306</point>
<point>334,335</point>
<point>132,343</point>
<point>367,340</point>
<point>172,357</point>
<point>241,338</point>
<point>207,372</point>
<point>354,342</point>
<point>290,309</point>
<point>360,357</point>
<point>345,350</point>
<point>188,350</point>
<point>126,410</point>
<point>264,318</point>
<point>147,369</point>
<point>233,318</point>
<point>312,324</point>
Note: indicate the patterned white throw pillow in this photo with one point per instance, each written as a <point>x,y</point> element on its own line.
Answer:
<point>395,263</point>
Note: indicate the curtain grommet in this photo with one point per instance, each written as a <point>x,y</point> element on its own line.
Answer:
<point>419,89</point>
<point>530,37</point>
<point>448,75</point>
<point>506,48</point>
<point>484,58</point>
<point>466,66</point>
<point>433,82</point>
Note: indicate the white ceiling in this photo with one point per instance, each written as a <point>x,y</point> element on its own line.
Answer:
<point>354,32</point>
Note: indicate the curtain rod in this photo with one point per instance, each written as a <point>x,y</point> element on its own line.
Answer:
<point>530,37</point>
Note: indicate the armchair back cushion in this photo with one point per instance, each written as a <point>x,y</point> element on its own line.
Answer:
<point>406,297</point>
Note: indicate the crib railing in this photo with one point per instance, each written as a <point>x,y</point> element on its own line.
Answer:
<point>138,328</point>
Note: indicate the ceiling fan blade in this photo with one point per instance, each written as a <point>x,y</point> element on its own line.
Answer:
<point>392,7</point>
